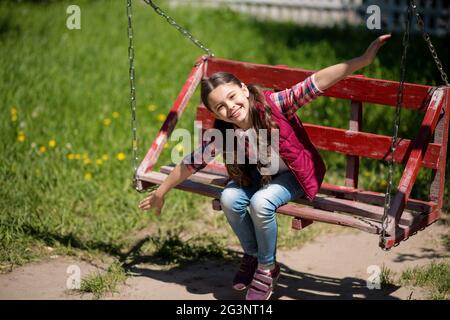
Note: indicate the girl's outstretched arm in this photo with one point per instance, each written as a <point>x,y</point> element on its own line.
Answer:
<point>155,200</point>
<point>190,164</point>
<point>327,77</point>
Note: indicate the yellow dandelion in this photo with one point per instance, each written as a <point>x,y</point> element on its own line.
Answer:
<point>107,121</point>
<point>70,156</point>
<point>161,117</point>
<point>120,156</point>
<point>85,156</point>
<point>87,176</point>
<point>21,138</point>
<point>52,143</point>
<point>42,149</point>
<point>99,162</point>
<point>77,156</point>
<point>219,158</point>
<point>115,114</point>
<point>179,147</point>
<point>13,111</point>
<point>151,107</point>
<point>87,161</point>
<point>13,118</point>
<point>105,157</point>
<point>166,146</point>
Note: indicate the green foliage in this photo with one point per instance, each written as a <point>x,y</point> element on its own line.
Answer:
<point>436,277</point>
<point>101,283</point>
<point>387,276</point>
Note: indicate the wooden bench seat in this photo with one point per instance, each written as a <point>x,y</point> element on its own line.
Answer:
<point>327,209</point>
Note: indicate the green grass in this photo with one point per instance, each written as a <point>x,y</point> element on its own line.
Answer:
<point>101,283</point>
<point>68,91</point>
<point>387,277</point>
<point>435,277</point>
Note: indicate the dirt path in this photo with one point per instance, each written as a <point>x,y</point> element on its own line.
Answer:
<point>332,266</point>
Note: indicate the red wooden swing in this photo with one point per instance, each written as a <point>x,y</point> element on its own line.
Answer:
<point>345,205</point>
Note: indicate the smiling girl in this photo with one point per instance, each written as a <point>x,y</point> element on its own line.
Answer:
<point>252,196</point>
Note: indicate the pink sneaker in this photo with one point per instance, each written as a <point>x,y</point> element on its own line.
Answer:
<point>245,274</point>
<point>263,284</point>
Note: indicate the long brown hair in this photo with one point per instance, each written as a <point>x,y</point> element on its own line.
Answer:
<point>240,172</point>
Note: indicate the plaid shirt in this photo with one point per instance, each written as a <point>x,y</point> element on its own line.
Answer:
<point>288,100</point>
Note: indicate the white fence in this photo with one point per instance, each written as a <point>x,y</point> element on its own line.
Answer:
<point>435,13</point>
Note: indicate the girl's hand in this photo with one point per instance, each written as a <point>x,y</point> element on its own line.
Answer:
<point>327,77</point>
<point>152,201</point>
<point>373,48</point>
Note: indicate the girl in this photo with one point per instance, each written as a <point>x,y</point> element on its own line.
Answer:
<point>251,198</point>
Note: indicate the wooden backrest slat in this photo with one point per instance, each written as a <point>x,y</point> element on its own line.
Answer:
<point>353,143</point>
<point>354,87</point>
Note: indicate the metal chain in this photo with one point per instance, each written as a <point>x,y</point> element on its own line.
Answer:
<point>428,41</point>
<point>183,31</point>
<point>367,222</point>
<point>134,140</point>
<point>134,123</point>
<point>394,141</point>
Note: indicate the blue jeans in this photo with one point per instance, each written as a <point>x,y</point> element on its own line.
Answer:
<point>251,212</point>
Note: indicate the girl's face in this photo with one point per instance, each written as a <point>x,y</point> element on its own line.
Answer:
<point>229,102</point>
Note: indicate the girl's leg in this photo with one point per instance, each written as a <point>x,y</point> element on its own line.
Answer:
<point>234,201</point>
<point>282,189</point>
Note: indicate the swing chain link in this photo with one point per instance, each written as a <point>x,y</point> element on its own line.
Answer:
<point>367,222</point>
<point>182,30</point>
<point>134,140</point>
<point>427,39</point>
<point>394,141</point>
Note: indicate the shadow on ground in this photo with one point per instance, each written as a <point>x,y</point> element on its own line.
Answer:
<point>426,253</point>
<point>215,276</point>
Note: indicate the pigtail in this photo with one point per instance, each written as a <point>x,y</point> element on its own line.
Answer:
<point>256,96</point>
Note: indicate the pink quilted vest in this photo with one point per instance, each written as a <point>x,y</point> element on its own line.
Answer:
<point>296,150</point>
